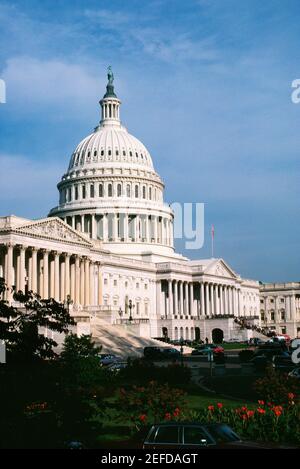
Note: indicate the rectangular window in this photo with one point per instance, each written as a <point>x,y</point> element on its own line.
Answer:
<point>76,192</point>
<point>92,191</point>
<point>83,191</point>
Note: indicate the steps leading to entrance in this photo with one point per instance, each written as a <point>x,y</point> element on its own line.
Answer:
<point>121,341</point>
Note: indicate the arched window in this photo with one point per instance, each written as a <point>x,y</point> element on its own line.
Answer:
<point>109,190</point>
<point>144,192</point>
<point>119,190</point>
<point>92,191</point>
<point>100,190</point>
<point>136,191</point>
<point>128,190</point>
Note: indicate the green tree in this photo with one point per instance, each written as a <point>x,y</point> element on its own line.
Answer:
<point>22,328</point>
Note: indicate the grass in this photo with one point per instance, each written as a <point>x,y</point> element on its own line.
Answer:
<point>234,346</point>
<point>116,430</point>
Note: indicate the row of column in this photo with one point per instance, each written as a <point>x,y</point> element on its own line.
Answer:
<point>289,307</point>
<point>59,275</point>
<point>124,227</point>
<point>182,298</point>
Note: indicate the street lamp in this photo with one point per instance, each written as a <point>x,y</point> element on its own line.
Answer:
<point>181,350</point>
<point>69,302</point>
<point>130,306</point>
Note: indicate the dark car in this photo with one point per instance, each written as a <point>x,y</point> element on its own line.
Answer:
<point>152,353</point>
<point>194,436</point>
<point>170,354</point>
<point>264,356</point>
<point>163,353</point>
<point>283,362</point>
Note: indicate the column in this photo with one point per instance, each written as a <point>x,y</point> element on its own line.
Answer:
<point>207,311</point>
<point>77,280</point>
<point>105,227</point>
<point>191,299</point>
<point>22,269</point>
<point>217,300</point>
<point>72,280</point>
<point>170,298</point>
<point>9,271</point>
<point>181,297</point>
<point>100,301</point>
<point>62,283</point>
<point>239,303</point>
<point>158,298</point>
<point>202,298</point>
<point>212,305</point>
<point>56,276</point>
<point>221,300</point>
<point>93,227</point>
<point>293,308</point>
<point>234,301</point>
<point>87,282</point>
<point>92,284</point>
<point>52,277</point>
<point>82,290</point>
<point>126,227</point>
<point>115,227</point>
<point>34,270</point>
<point>67,276</point>
<point>225,299</point>
<point>186,302</point>
<point>45,274</point>
<point>147,234</point>
<point>73,222</point>
<point>155,228</point>
<point>176,297</point>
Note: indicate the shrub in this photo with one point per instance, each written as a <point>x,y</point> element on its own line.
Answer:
<point>275,387</point>
<point>246,355</point>
<point>150,404</point>
<point>144,371</point>
<point>266,422</point>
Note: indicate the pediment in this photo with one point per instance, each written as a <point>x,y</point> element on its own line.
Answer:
<point>219,268</point>
<point>53,228</point>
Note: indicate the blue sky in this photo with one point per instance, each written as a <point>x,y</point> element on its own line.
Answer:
<point>205,84</point>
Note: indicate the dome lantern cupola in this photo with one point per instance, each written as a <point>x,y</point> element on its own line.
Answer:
<point>110,103</point>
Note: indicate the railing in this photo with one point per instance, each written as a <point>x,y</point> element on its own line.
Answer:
<point>134,321</point>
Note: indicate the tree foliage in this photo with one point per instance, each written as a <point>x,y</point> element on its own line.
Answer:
<point>22,328</point>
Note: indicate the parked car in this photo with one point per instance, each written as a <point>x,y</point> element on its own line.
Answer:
<point>207,349</point>
<point>170,354</point>
<point>164,353</point>
<point>264,357</point>
<point>116,367</point>
<point>194,436</point>
<point>108,359</point>
<point>295,373</point>
<point>283,362</point>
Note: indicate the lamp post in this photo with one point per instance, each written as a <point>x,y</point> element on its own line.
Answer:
<point>131,306</point>
<point>181,350</point>
<point>69,302</point>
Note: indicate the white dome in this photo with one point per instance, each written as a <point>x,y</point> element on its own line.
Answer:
<point>110,144</point>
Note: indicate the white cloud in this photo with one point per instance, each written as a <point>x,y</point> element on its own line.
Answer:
<point>28,187</point>
<point>40,82</point>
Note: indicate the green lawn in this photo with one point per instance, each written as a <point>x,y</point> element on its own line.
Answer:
<point>115,430</point>
<point>234,346</point>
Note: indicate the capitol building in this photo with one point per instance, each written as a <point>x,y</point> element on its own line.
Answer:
<point>107,249</point>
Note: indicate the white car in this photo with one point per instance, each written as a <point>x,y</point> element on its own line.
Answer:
<point>109,359</point>
<point>295,373</point>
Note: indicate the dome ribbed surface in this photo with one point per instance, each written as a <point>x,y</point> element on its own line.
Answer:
<point>110,144</point>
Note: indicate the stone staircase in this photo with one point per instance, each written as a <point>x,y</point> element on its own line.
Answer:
<point>121,341</point>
